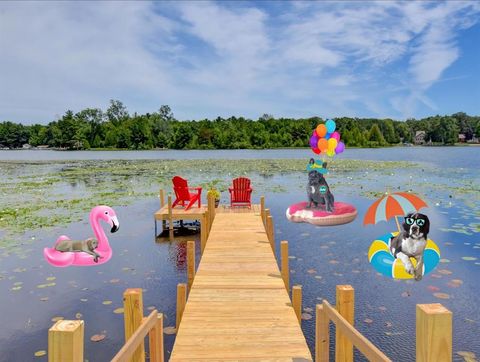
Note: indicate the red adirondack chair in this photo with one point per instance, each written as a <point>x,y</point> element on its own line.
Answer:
<point>183,194</point>
<point>241,192</point>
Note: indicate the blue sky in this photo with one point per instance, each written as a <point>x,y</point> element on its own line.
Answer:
<point>207,59</point>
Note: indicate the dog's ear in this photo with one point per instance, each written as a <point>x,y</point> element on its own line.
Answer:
<point>324,165</point>
<point>89,244</point>
<point>312,161</point>
<point>426,227</point>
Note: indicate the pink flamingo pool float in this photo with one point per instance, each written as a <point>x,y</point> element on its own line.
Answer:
<point>63,259</point>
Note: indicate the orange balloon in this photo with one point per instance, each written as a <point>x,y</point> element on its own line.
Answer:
<point>322,144</point>
<point>321,130</point>
<point>332,144</point>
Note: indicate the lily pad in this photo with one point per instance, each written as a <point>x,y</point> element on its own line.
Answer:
<point>97,337</point>
<point>306,316</point>
<point>107,302</point>
<point>40,353</point>
<point>368,320</point>
<point>170,330</point>
<point>118,311</point>
<point>469,258</point>
<point>56,319</point>
<point>441,295</point>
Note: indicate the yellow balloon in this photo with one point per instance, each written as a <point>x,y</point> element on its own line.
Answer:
<point>332,144</point>
<point>330,153</point>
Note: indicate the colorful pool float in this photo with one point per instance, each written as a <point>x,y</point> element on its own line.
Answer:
<point>344,213</point>
<point>383,261</point>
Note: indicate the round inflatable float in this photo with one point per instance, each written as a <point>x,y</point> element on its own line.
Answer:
<point>344,213</point>
<point>384,262</point>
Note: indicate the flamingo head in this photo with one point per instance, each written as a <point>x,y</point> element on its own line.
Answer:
<point>106,214</point>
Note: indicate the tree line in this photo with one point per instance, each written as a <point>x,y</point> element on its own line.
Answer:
<point>116,128</point>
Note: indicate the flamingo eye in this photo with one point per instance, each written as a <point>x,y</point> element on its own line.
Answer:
<point>106,212</point>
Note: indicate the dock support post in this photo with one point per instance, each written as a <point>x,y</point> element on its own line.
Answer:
<point>181,302</point>
<point>162,204</point>
<point>345,306</point>
<point>203,233</point>
<point>133,315</point>
<point>155,338</point>
<point>211,209</point>
<point>434,333</point>
<point>322,335</point>
<point>297,301</point>
<point>65,341</point>
<point>270,232</point>
<point>170,217</point>
<point>284,260</point>
<point>208,225</point>
<point>262,208</point>
<point>190,263</point>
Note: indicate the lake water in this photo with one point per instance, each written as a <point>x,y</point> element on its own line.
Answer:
<point>447,178</point>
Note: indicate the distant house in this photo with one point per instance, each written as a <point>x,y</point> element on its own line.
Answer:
<point>42,147</point>
<point>419,138</point>
<point>474,139</point>
<point>26,146</point>
<point>461,138</point>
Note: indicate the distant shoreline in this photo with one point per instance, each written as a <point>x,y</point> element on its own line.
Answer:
<point>223,149</point>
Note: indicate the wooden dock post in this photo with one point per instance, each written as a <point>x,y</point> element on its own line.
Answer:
<point>162,204</point>
<point>262,208</point>
<point>434,333</point>
<point>162,198</point>
<point>345,306</point>
<point>208,226</point>
<point>190,263</point>
<point>270,230</point>
<point>203,233</point>
<point>297,301</point>
<point>322,335</point>
<point>284,260</point>
<point>170,217</point>
<point>181,302</point>
<point>211,209</point>
<point>155,338</point>
<point>65,341</point>
<point>133,315</point>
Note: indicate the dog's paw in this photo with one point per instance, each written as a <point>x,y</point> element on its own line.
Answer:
<point>409,269</point>
<point>418,277</point>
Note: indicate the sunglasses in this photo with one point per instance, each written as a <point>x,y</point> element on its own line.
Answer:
<point>323,189</point>
<point>411,221</point>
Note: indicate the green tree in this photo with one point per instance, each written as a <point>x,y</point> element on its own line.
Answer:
<point>117,112</point>
<point>375,137</point>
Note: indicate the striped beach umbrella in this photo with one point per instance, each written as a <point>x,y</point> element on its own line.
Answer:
<point>393,205</point>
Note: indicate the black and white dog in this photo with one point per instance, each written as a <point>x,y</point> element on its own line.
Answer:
<point>411,242</point>
<point>318,191</point>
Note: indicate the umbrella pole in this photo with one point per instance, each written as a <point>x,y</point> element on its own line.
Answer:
<point>398,224</point>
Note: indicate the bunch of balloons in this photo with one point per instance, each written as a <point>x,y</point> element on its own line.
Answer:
<point>326,140</point>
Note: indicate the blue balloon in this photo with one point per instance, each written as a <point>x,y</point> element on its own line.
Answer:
<point>330,124</point>
<point>327,136</point>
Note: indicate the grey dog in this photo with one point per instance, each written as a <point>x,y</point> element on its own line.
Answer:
<point>86,246</point>
<point>318,192</point>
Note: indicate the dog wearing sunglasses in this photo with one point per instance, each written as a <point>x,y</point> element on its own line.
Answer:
<point>411,243</point>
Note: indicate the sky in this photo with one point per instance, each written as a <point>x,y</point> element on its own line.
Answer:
<point>383,59</point>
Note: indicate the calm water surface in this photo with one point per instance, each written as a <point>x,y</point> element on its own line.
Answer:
<point>324,257</point>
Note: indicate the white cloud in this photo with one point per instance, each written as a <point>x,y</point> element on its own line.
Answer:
<point>213,58</point>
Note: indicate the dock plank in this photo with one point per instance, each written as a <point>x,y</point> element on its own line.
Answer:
<point>238,308</point>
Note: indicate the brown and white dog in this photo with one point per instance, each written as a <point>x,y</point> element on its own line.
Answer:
<point>411,242</point>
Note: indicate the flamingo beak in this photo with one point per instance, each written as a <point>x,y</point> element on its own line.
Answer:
<point>114,224</point>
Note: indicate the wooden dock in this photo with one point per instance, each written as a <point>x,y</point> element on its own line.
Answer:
<point>238,308</point>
